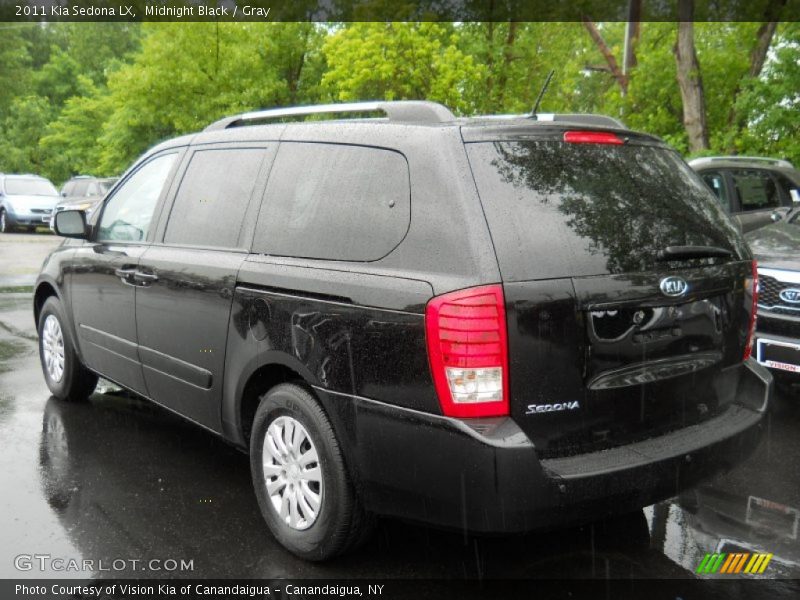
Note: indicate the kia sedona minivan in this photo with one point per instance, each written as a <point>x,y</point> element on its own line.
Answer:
<point>488,324</point>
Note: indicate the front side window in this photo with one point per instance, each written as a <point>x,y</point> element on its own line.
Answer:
<point>756,190</point>
<point>128,215</point>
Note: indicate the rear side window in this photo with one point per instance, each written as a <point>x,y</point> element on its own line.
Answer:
<point>756,190</point>
<point>557,209</point>
<point>211,202</point>
<point>334,202</point>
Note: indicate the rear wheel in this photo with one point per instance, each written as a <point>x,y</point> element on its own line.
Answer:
<point>300,479</point>
<point>64,374</point>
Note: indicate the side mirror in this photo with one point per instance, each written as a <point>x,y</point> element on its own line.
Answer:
<point>63,194</point>
<point>71,224</point>
<point>775,217</point>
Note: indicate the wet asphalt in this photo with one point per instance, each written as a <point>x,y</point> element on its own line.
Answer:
<point>119,478</point>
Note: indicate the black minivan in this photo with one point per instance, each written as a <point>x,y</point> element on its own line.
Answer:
<point>490,324</point>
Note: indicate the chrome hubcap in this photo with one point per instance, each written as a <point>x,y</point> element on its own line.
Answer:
<point>292,473</point>
<point>53,348</point>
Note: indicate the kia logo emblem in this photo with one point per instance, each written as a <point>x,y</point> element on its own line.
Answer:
<point>790,295</point>
<point>675,286</point>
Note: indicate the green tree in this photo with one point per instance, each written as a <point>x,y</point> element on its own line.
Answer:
<point>189,74</point>
<point>400,61</point>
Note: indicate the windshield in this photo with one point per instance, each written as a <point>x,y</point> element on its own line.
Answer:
<point>559,209</point>
<point>29,187</point>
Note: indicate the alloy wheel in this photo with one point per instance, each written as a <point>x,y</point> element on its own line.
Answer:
<point>53,348</point>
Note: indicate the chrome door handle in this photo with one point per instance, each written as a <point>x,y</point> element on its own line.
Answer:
<point>125,274</point>
<point>144,278</point>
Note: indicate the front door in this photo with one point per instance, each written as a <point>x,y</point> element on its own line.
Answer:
<point>104,278</point>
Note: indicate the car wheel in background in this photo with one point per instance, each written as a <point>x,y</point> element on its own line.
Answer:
<point>4,227</point>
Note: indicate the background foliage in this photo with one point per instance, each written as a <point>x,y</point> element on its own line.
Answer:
<point>87,98</point>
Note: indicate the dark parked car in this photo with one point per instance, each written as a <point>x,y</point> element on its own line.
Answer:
<point>26,201</point>
<point>777,345</point>
<point>493,325</point>
<point>756,191</point>
<point>84,192</point>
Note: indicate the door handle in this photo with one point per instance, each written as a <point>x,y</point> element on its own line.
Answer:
<point>126,274</point>
<point>144,278</point>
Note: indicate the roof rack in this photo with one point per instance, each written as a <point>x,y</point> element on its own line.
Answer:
<point>399,111</point>
<point>704,160</point>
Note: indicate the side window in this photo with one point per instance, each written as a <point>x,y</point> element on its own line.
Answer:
<point>92,190</point>
<point>334,202</point>
<point>129,212</point>
<point>211,202</point>
<point>791,190</point>
<point>717,185</point>
<point>756,190</point>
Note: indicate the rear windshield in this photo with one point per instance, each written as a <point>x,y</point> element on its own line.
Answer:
<point>30,187</point>
<point>558,209</point>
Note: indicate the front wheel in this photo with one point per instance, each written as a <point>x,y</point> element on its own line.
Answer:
<point>4,226</point>
<point>63,372</point>
<point>300,479</point>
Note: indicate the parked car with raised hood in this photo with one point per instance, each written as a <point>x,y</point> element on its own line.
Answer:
<point>84,192</point>
<point>487,324</point>
<point>26,201</point>
<point>777,345</point>
<point>756,191</point>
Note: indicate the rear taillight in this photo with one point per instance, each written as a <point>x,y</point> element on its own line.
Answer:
<point>751,287</point>
<point>592,137</point>
<point>468,351</point>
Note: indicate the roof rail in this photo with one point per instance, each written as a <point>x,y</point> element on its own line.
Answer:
<point>704,160</point>
<point>400,111</point>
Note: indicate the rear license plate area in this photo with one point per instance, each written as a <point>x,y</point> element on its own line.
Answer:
<point>781,355</point>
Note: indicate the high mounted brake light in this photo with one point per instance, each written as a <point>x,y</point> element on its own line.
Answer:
<point>752,284</point>
<point>592,137</point>
<point>468,351</point>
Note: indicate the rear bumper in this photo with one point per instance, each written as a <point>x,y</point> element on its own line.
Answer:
<point>485,477</point>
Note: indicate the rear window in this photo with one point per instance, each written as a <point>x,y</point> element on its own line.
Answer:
<point>30,187</point>
<point>564,210</point>
<point>334,202</point>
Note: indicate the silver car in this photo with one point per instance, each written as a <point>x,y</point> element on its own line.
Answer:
<point>26,201</point>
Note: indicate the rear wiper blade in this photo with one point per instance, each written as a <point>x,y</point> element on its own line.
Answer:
<point>687,252</point>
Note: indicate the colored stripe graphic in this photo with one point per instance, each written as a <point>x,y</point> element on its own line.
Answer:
<point>734,563</point>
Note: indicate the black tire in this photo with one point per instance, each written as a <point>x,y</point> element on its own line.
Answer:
<point>4,226</point>
<point>76,381</point>
<point>341,524</point>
